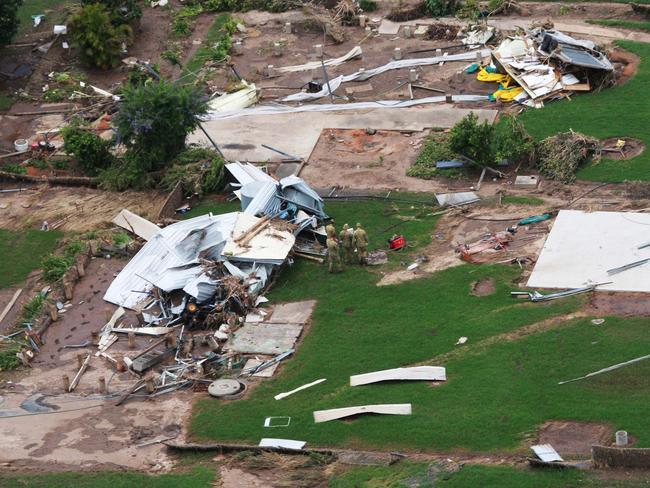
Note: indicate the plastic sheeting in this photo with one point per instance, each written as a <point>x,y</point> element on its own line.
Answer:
<point>326,107</point>
<point>364,75</point>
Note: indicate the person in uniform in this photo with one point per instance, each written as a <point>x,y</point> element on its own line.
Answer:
<point>361,243</point>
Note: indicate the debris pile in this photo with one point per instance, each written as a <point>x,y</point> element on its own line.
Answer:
<point>196,284</point>
<point>545,64</point>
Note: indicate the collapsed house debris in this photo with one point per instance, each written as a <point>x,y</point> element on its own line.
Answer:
<point>546,64</point>
<point>195,285</point>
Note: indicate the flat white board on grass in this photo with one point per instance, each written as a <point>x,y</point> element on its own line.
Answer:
<point>339,413</point>
<point>582,246</point>
<point>546,453</point>
<point>427,373</point>
<point>283,443</point>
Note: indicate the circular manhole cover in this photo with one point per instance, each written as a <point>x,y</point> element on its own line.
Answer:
<point>222,388</point>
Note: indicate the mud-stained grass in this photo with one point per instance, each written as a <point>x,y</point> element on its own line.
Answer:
<point>22,252</point>
<point>615,112</point>
<point>199,477</point>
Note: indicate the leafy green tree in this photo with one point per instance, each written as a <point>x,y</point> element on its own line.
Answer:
<point>473,140</point>
<point>98,40</point>
<point>8,20</point>
<point>155,118</point>
<point>120,11</point>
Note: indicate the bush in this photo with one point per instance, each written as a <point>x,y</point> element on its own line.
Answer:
<point>182,25</point>
<point>98,40</point>
<point>200,170</point>
<point>124,174</point>
<point>154,120</point>
<point>55,266</point>
<point>368,5</point>
<point>473,140</point>
<point>470,10</point>
<point>120,11</point>
<point>8,20</point>
<point>435,149</point>
<point>511,141</point>
<point>440,8</point>
<point>91,151</point>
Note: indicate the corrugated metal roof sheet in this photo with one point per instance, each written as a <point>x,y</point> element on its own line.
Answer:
<point>247,173</point>
<point>265,201</point>
<point>170,257</point>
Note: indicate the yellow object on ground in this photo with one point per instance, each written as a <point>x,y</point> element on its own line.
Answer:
<point>484,75</point>
<point>507,95</point>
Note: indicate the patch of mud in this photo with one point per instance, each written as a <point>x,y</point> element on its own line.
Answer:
<point>575,438</point>
<point>483,287</point>
<point>632,148</point>
<point>602,304</point>
<point>237,478</point>
<point>626,64</point>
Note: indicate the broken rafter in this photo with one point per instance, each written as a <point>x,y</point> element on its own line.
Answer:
<point>81,371</point>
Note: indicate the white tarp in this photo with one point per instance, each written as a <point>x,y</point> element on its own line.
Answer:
<point>367,74</point>
<point>582,246</point>
<point>353,53</point>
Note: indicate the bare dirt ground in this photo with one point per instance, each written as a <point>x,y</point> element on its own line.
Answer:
<point>86,208</point>
<point>574,439</point>
<point>83,428</point>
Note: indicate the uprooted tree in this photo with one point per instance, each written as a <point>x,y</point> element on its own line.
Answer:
<point>8,20</point>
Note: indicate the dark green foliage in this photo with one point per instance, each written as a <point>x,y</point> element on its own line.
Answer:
<point>154,120</point>
<point>368,5</point>
<point>33,308</point>
<point>8,20</point>
<point>200,171</point>
<point>126,173</point>
<point>90,150</point>
<point>182,25</point>
<point>435,149</point>
<point>120,11</point>
<point>511,140</point>
<point>55,266</point>
<point>98,40</point>
<point>440,8</point>
<point>139,75</point>
<point>14,168</point>
<point>245,5</point>
<point>473,140</point>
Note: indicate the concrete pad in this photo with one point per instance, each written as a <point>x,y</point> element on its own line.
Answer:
<point>522,180</point>
<point>292,313</point>
<point>271,339</point>
<point>298,133</point>
<point>388,28</point>
<point>582,246</point>
<point>265,373</point>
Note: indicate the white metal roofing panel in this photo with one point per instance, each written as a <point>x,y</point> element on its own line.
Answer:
<point>177,245</point>
<point>546,453</point>
<point>247,173</point>
<point>460,198</point>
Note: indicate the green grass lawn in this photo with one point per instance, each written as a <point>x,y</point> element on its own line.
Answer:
<point>199,477</point>
<point>620,111</point>
<point>22,252</point>
<point>398,476</point>
<point>360,327</point>
<point>202,55</point>
<point>6,101</point>
<point>522,200</point>
<point>625,24</point>
<point>51,8</point>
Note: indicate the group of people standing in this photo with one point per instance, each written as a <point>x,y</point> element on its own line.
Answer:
<point>348,239</point>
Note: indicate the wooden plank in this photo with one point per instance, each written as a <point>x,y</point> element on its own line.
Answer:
<point>136,224</point>
<point>384,409</point>
<point>426,373</point>
<point>81,371</point>
<point>130,391</point>
<point>10,304</point>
